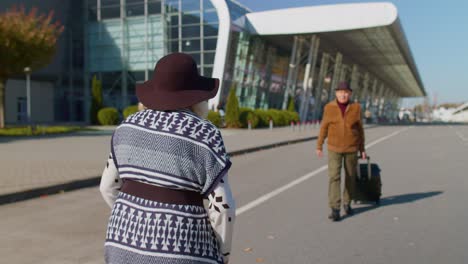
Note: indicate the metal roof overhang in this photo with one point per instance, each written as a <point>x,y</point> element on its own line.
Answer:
<point>369,35</point>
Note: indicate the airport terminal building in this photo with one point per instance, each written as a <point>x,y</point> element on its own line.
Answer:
<point>268,57</point>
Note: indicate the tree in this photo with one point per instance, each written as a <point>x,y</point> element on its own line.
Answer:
<point>232,109</point>
<point>291,106</point>
<point>96,104</point>
<point>27,40</point>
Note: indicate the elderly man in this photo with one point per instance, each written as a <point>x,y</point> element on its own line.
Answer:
<point>342,125</point>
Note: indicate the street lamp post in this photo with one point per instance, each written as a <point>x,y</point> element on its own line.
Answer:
<point>27,71</point>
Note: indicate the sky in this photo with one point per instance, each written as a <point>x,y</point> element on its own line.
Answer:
<point>437,32</point>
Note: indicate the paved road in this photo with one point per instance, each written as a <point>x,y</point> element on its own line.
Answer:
<point>42,162</point>
<point>422,218</point>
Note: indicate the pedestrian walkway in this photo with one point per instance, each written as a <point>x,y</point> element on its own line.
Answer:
<point>35,163</point>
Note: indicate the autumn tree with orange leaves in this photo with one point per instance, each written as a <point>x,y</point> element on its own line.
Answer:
<point>27,39</point>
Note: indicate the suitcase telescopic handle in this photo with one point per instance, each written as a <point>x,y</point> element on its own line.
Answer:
<point>369,170</point>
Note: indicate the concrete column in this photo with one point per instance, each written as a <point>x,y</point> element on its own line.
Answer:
<point>319,88</point>
<point>343,74</point>
<point>292,65</point>
<point>354,79</point>
<point>379,99</point>
<point>336,75</point>
<point>312,77</point>
<point>298,65</point>
<point>271,55</point>
<point>362,95</point>
<point>306,83</point>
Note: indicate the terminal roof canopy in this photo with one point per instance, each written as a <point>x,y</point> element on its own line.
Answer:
<point>368,34</point>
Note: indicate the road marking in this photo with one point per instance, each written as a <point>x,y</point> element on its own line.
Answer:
<point>276,192</point>
<point>461,136</point>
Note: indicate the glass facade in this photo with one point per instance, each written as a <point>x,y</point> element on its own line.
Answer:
<point>258,70</point>
<point>126,38</point>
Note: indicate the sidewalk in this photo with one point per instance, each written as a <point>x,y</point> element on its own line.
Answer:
<point>39,166</point>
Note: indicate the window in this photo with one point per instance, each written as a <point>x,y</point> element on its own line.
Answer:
<point>22,109</point>
<point>191,31</point>
<point>210,44</point>
<point>173,46</point>
<point>210,30</point>
<point>174,33</point>
<point>196,57</point>
<point>208,71</point>
<point>172,6</point>
<point>207,4</point>
<point>137,9</point>
<point>191,18</point>
<point>190,5</point>
<point>175,20</point>
<point>210,17</point>
<point>110,2</point>
<point>208,57</point>
<point>110,12</point>
<point>92,3</point>
<point>154,7</point>
<point>191,45</point>
<point>92,14</point>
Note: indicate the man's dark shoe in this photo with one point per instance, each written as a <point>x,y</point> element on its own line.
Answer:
<point>334,215</point>
<point>348,210</point>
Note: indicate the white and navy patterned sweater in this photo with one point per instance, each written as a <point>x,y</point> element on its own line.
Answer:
<point>177,150</point>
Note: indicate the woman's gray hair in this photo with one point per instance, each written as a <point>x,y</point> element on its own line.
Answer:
<point>201,109</point>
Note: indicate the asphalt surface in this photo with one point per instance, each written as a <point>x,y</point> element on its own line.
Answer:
<point>281,195</point>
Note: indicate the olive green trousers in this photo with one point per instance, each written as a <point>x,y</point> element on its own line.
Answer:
<point>335,163</point>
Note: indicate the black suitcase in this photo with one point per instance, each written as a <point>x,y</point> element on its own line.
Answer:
<point>368,183</point>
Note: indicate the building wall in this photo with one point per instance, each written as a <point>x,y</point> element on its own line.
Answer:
<point>42,94</point>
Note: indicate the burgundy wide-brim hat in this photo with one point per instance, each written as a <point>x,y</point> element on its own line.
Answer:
<point>344,86</point>
<point>176,84</point>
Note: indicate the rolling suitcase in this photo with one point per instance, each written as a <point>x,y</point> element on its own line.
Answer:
<point>368,183</point>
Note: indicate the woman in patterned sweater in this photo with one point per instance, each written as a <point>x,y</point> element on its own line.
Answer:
<point>164,161</point>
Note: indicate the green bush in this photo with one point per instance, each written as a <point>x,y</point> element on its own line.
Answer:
<point>293,116</point>
<point>129,111</point>
<point>277,116</point>
<point>263,118</point>
<point>232,110</point>
<point>215,118</point>
<point>108,116</point>
<point>247,114</point>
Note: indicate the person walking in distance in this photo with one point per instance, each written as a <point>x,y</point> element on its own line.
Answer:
<point>342,125</point>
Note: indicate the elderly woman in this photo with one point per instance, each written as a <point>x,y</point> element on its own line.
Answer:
<point>164,161</point>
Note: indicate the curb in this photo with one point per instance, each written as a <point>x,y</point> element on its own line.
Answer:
<point>94,181</point>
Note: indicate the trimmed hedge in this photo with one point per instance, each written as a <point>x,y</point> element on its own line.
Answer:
<point>263,118</point>
<point>108,116</point>
<point>215,118</point>
<point>246,114</point>
<point>129,111</point>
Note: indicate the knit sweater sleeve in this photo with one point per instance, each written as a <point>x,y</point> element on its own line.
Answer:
<point>323,129</point>
<point>222,214</point>
<point>110,182</point>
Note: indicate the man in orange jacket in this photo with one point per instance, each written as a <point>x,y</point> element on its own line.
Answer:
<point>342,125</point>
